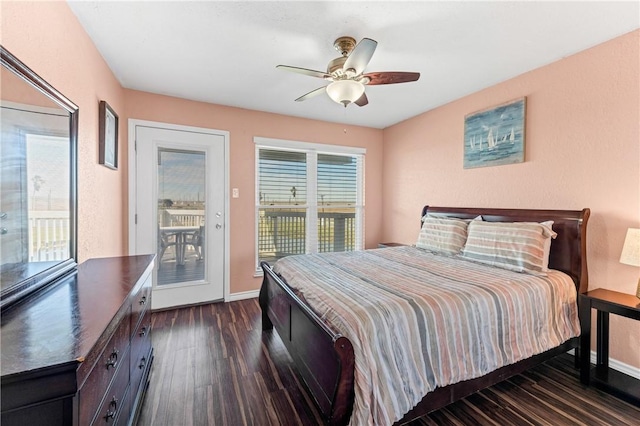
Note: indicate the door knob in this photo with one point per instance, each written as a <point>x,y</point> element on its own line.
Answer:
<point>3,231</point>
<point>218,226</point>
<point>3,215</point>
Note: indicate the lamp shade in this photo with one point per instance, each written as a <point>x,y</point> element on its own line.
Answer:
<point>631,248</point>
<point>345,91</point>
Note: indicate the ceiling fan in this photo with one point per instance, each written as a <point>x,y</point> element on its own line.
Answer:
<point>346,73</point>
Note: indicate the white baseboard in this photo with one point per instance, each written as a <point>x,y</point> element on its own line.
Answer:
<point>620,366</point>
<point>616,365</point>
<point>242,295</point>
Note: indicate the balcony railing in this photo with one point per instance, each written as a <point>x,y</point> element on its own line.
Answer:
<point>177,217</point>
<point>48,235</point>
<point>282,233</point>
<point>336,232</point>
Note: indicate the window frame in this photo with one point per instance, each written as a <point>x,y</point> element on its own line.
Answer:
<point>312,150</point>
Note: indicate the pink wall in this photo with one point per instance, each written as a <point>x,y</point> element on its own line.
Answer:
<point>49,39</point>
<point>582,150</point>
<point>242,126</point>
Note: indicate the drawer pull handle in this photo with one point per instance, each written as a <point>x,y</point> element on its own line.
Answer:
<point>111,414</point>
<point>143,362</point>
<point>143,331</point>
<point>143,301</point>
<point>112,361</point>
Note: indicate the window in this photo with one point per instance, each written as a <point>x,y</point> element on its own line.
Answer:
<point>309,198</point>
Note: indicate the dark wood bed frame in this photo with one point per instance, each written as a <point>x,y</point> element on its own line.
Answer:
<point>325,359</point>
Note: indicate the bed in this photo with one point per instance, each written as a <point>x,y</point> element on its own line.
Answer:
<point>325,357</point>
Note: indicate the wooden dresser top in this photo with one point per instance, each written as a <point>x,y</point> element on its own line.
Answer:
<point>58,327</point>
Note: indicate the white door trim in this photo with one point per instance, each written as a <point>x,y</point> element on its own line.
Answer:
<point>133,123</point>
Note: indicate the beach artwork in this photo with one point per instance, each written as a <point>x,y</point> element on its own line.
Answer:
<point>495,136</point>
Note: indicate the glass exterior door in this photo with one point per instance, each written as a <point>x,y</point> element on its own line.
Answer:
<point>180,209</point>
<point>181,216</point>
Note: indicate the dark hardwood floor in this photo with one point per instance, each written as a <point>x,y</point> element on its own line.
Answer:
<point>214,366</point>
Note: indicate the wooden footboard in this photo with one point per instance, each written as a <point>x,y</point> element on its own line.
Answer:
<point>324,359</point>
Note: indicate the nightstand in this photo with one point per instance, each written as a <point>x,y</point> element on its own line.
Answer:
<point>606,302</point>
<point>384,245</point>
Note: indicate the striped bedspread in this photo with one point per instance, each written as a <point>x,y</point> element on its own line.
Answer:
<point>418,321</point>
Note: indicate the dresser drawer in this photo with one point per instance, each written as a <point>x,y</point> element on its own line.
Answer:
<point>139,367</point>
<point>115,400</point>
<point>110,362</point>
<point>141,338</point>
<point>124,413</point>
<point>140,349</point>
<point>140,301</point>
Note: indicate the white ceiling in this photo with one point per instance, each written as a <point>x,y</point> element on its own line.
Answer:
<point>226,52</point>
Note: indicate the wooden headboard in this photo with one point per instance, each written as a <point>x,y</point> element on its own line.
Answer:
<point>568,250</point>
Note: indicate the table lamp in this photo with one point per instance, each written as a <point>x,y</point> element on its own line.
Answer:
<point>631,251</point>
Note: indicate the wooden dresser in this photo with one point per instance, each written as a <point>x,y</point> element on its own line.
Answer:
<point>80,353</point>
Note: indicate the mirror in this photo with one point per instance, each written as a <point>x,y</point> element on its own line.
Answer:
<point>37,181</point>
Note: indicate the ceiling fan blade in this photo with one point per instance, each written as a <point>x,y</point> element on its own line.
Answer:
<point>311,94</point>
<point>391,77</point>
<point>305,71</point>
<point>362,100</point>
<point>360,56</point>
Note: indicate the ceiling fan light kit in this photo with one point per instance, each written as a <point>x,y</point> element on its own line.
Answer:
<point>346,73</point>
<point>345,91</point>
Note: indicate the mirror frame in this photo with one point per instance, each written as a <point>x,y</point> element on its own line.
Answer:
<point>19,290</point>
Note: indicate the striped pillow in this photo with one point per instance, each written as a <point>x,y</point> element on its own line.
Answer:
<point>517,246</point>
<point>446,236</point>
<point>547,245</point>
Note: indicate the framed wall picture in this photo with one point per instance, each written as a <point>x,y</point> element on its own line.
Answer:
<point>108,136</point>
<point>495,136</point>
